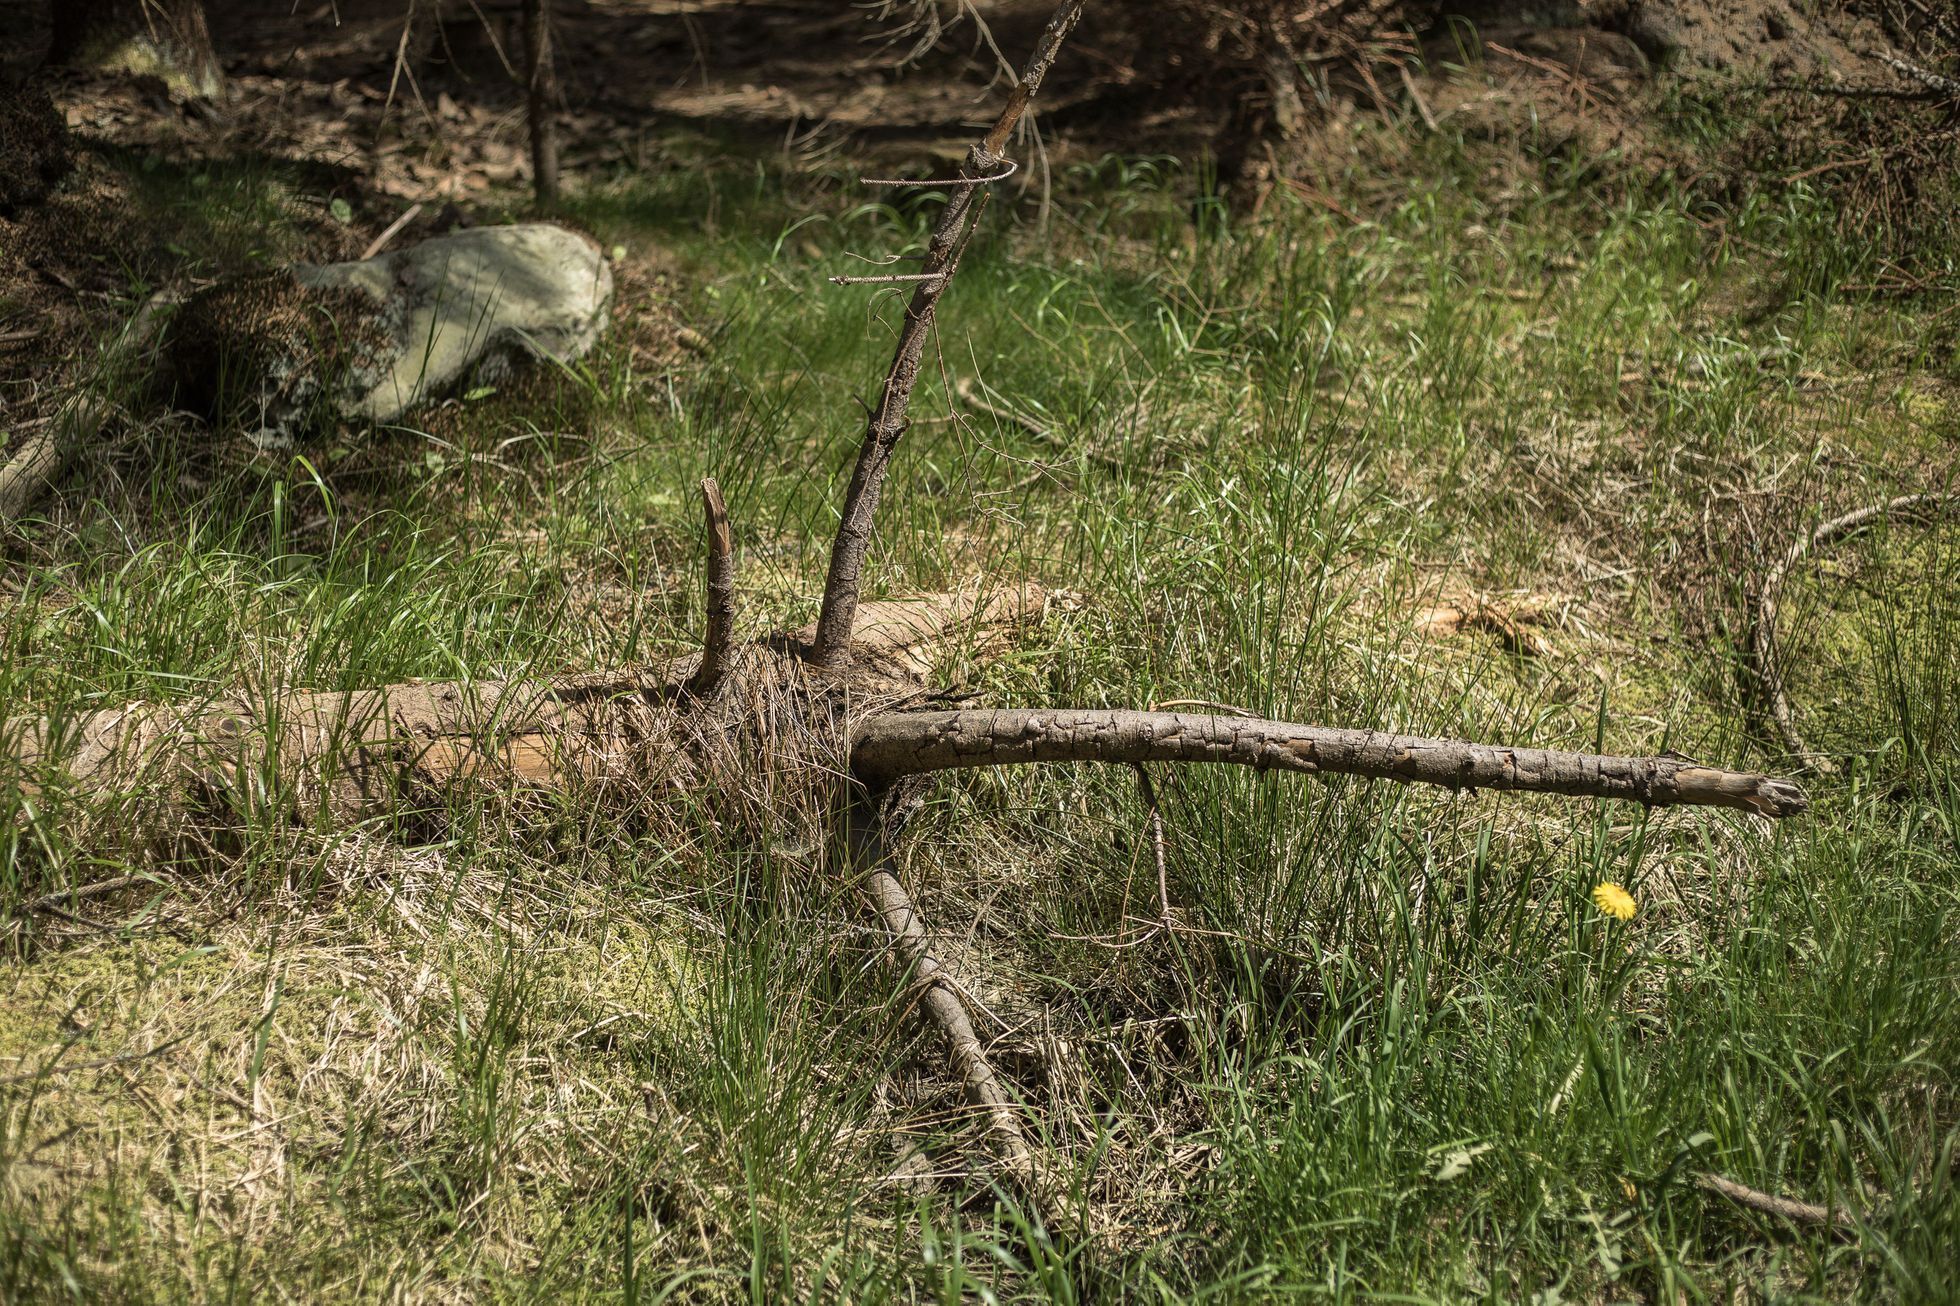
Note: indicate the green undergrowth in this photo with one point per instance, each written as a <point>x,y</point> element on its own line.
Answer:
<point>514,1050</point>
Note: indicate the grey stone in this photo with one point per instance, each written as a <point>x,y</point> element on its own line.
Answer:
<point>367,341</point>
<point>472,305</point>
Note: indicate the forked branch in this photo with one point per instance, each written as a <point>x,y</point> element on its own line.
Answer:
<point>888,421</point>
<point>896,744</point>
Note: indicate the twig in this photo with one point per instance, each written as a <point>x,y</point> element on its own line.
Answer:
<point>1010,168</point>
<point>937,994</point>
<point>1226,708</point>
<point>52,902</point>
<point>718,647</point>
<point>888,280</point>
<point>1924,76</point>
<point>1763,637</point>
<point>1416,96</point>
<point>1148,791</point>
<point>896,744</point>
<point>35,465</point>
<point>969,396</point>
<point>1852,92</point>
<point>392,230</point>
<point>887,423</point>
<point>1325,201</point>
<point>1789,1208</point>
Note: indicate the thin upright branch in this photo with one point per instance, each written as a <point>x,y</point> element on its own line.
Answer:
<point>718,647</point>
<point>887,423</point>
<point>1148,792</point>
<point>907,743</point>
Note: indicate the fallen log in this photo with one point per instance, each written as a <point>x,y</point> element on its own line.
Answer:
<point>355,753</point>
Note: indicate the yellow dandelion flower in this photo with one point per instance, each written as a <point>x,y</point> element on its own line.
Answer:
<point>1614,901</point>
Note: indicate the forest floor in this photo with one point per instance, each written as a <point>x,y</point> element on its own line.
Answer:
<point>1458,439</point>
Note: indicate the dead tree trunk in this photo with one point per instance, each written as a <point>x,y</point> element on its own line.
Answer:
<point>540,95</point>
<point>167,38</point>
<point>833,705</point>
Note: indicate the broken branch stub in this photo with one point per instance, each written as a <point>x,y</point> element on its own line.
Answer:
<point>887,423</point>
<point>718,646</point>
<point>895,744</point>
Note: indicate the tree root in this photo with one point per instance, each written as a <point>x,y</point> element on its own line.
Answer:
<point>1910,507</point>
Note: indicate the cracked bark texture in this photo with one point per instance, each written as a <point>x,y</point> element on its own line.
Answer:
<point>907,743</point>
<point>887,423</point>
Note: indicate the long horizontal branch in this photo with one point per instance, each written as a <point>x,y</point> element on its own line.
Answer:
<point>896,744</point>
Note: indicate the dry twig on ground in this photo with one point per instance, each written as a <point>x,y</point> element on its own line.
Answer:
<point>1906,507</point>
<point>1788,1208</point>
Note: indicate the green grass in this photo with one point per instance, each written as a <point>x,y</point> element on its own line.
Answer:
<point>1394,1055</point>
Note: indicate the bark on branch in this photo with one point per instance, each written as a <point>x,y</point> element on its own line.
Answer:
<point>1788,1208</point>
<point>896,744</point>
<point>718,648</point>
<point>941,1000</point>
<point>360,750</point>
<point>886,427</point>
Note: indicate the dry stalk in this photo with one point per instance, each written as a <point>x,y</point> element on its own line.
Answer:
<point>1908,507</point>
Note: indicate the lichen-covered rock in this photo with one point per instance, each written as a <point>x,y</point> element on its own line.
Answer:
<point>274,352</point>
